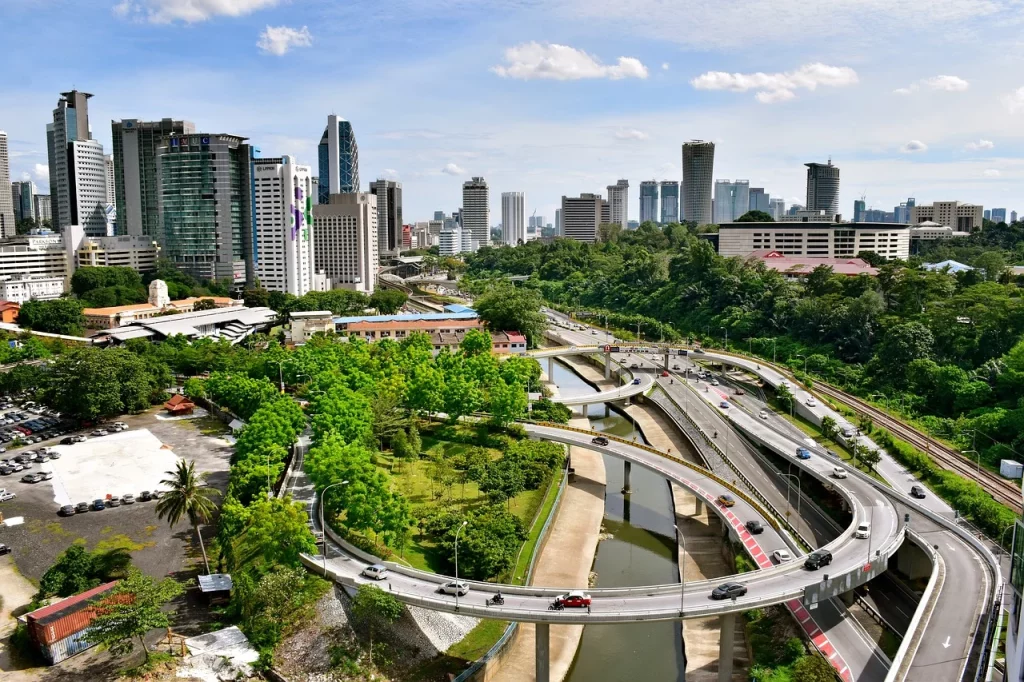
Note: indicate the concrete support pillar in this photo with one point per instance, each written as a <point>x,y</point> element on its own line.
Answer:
<point>725,646</point>
<point>607,410</point>
<point>666,358</point>
<point>698,507</point>
<point>607,365</point>
<point>542,651</point>
<point>627,466</point>
<point>848,598</point>
<point>551,370</point>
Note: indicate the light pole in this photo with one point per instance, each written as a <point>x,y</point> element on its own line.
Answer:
<point>280,372</point>
<point>323,528</point>
<point>726,330</point>
<point>681,540</point>
<point>875,395</point>
<point>801,355</point>
<point>799,492</point>
<point>977,456</point>
<point>773,350</point>
<point>457,586</point>
<point>1003,537</point>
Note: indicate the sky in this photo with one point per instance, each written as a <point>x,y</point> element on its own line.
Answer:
<point>915,98</point>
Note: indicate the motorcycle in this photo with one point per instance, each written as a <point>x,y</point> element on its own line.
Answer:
<point>497,599</point>
<point>556,606</point>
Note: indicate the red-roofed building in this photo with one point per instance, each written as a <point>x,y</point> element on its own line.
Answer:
<point>799,267</point>
<point>179,405</point>
<point>9,311</point>
<point>59,629</point>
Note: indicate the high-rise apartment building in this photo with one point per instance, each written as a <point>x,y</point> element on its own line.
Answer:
<point>777,208</point>
<point>389,215</point>
<point>823,187</point>
<point>88,187</point>
<point>988,214</point>
<point>698,173</point>
<point>581,217</point>
<point>438,215</point>
<point>345,240</point>
<point>43,207</point>
<point>476,210</point>
<point>961,217</point>
<point>669,202</point>
<point>22,194</point>
<point>136,193</point>
<point>513,208</point>
<point>998,215</point>
<point>283,210</point>
<point>339,159</point>
<point>901,213</point>
<point>108,164</point>
<point>732,199</point>
<point>759,200</point>
<point>1013,216</point>
<point>558,222</point>
<point>7,220</point>
<point>649,201</point>
<point>70,124</point>
<point>205,205</point>
<point>859,207</point>
<point>618,203</point>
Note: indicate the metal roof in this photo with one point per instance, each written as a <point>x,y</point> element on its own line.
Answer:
<point>215,582</point>
<point>407,318</point>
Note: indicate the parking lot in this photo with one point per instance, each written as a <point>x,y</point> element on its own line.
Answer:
<point>127,462</point>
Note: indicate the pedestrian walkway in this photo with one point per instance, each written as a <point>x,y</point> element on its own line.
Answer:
<point>661,433</point>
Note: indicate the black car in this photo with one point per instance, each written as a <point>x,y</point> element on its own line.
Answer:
<point>4,549</point>
<point>6,471</point>
<point>81,507</point>
<point>98,505</point>
<point>599,440</point>
<point>755,527</point>
<point>145,496</point>
<point>817,559</point>
<point>917,492</point>
<point>67,510</point>
<point>729,591</point>
<point>67,441</point>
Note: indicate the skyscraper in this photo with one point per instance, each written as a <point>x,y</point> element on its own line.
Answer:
<point>732,199</point>
<point>476,210</point>
<point>669,202</point>
<point>22,194</point>
<point>339,159</point>
<point>988,214</point>
<point>513,206</point>
<point>698,172</point>
<point>345,238</point>
<point>438,215</point>
<point>7,224</point>
<point>389,215</point>
<point>283,210</point>
<point>1013,216</point>
<point>581,216</point>
<point>859,207</point>
<point>649,201</point>
<point>558,222</point>
<point>205,205</point>
<point>777,208</point>
<point>88,187</point>
<point>108,162</point>
<point>759,200</point>
<point>43,208</point>
<point>998,215</point>
<point>823,187</point>
<point>618,203</point>
<point>135,144</point>
<point>70,124</point>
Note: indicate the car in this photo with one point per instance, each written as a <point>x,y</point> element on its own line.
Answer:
<point>636,382</point>
<point>838,472</point>
<point>729,591</point>
<point>817,559</point>
<point>31,478</point>
<point>575,599</point>
<point>99,433</point>
<point>128,499</point>
<point>634,366</point>
<point>375,571</point>
<point>594,332</point>
<point>763,414</point>
<point>863,530</point>
<point>811,402</point>
<point>698,350</point>
<point>67,510</point>
<point>53,455</point>
<point>803,453</point>
<point>599,440</point>
<point>917,492</point>
<point>114,502</point>
<point>664,372</point>
<point>724,404</point>
<point>98,505</point>
<point>16,467</point>
<point>7,496</point>
<point>6,470</point>
<point>4,549</point>
<point>675,366</point>
<point>754,526</point>
<point>781,556</point>
<point>454,587</point>
<point>848,432</point>
<point>714,382</point>
<point>726,500</point>
<point>47,475</point>
<point>740,391</point>
<point>145,496</point>
<point>81,507</point>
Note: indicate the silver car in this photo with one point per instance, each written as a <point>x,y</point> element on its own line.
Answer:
<point>454,587</point>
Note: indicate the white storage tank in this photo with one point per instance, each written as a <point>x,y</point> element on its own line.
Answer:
<point>1010,469</point>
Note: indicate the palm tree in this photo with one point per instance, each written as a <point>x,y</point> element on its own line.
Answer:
<point>186,496</point>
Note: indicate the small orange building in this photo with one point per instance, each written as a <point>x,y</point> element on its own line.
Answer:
<point>9,311</point>
<point>179,405</point>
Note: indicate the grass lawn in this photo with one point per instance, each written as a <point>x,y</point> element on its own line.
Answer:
<point>479,640</point>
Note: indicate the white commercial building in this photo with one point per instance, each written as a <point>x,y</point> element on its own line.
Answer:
<point>777,208</point>
<point>21,289</point>
<point>449,242</point>
<point>960,217</point>
<point>345,240</point>
<point>88,183</point>
<point>476,210</point>
<point>618,203</point>
<point>283,210</point>
<point>33,256</point>
<point>513,219</point>
<point>108,162</point>
<point>126,251</point>
<point>581,217</point>
<point>815,239</point>
<point>7,226</point>
<point>732,200</point>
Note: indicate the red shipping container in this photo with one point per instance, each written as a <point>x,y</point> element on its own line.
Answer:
<point>66,617</point>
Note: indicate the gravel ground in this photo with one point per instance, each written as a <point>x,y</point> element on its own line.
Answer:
<point>442,629</point>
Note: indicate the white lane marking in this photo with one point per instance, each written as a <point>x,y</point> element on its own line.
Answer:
<point>946,643</point>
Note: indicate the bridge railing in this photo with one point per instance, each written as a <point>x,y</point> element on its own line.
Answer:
<point>901,662</point>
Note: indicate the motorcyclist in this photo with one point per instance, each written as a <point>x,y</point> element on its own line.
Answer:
<point>716,434</point>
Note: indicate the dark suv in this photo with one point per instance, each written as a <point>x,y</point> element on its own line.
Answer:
<point>817,559</point>
<point>599,440</point>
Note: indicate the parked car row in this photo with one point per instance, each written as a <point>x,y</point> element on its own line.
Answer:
<point>101,504</point>
<point>25,460</point>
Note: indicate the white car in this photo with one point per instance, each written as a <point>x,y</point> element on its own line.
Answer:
<point>4,496</point>
<point>838,472</point>
<point>811,402</point>
<point>763,414</point>
<point>863,531</point>
<point>376,571</point>
<point>454,587</point>
<point>714,382</point>
<point>781,556</point>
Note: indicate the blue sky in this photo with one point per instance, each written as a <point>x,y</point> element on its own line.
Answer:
<point>920,98</point>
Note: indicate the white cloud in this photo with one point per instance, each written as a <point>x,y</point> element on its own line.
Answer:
<point>939,83</point>
<point>913,147</point>
<point>278,40</point>
<point>42,172</point>
<point>664,66</point>
<point>390,174</point>
<point>189,11</point>
<point>1015,100</point>
<point>979,145</point>
<point>778,87</point>
<point>631,134</point>
<point>561,62</point>
<point>453,169</point>
<point>991,173</point>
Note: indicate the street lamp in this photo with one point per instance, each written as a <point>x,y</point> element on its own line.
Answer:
<point>280,372</point>
<point>323,529</point>
<point>876,395</point>
<point>977,456</point>
<point>773,350</point>
<point>799,492</point>
<point>1003,537</point>
<point>681,540</point>
<point>801,355</point>
<point>457,586</point>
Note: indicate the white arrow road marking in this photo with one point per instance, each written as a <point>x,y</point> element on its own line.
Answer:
<point>951,547</point>
<point>946,643</point>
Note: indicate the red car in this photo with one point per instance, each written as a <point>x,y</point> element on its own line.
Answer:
<point>574,599</point>
<point>664,372</point>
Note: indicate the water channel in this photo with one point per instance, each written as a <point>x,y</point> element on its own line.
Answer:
<point>641,550</point>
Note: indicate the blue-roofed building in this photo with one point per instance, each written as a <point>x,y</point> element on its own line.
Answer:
<point>458,308</point>
<point>954,266</point>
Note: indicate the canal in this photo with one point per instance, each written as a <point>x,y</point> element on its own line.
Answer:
<point>639,549</point>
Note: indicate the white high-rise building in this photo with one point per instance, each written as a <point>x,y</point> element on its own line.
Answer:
<point>513,208</point>
<point>108,160</point>
<point>732,199</point>
<point>70,124</point>
<point>581,217</point>
<point>476,210</point>
<point>88,184</point>
<point>558,222</point>
<point>777,208</point>
<point>284,251</point>
<point>345,240</point>
<point>698,171</point>
<point>618,203</point>
<point>823,188</point>
<point>7,228</point>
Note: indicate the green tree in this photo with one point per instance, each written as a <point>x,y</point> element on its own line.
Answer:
<point>755,217</point>
<point>90,383</point>
<point>277,533</point>
<point>829,428</point>
<point>204,304</point>
<point>784,396</point>
<point>270,603</point>
<point>132,608</point>
<point>59,316</point>
<point>506,307</point>
<point>375,610</point>
<point>387,301</point>
<point>992,264</point>
<point>870,458</point>
<point>77,570</point>
<point>503,481</point>
<point>813,668</point>
<point>476,342</point>
<point>185,495</point>
<point>506,402</point>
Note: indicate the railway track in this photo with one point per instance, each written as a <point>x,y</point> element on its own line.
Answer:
<point>1000,489</point>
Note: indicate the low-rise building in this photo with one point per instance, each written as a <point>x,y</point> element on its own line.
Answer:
<point>58,630</point>
<point>306,324</point>
<point>502,343</point>
<point>961,217</point>
<point>815,239</point>
<point>400,329</point>
<point>9,312</point>
<point>20,289</point>
<point>797,268</point>
<point>230,324</point>
<point>126,251</point>
<point>159,305</point>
